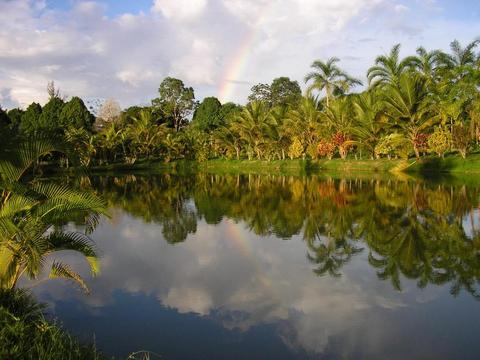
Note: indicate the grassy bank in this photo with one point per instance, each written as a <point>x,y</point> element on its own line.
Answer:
<point>26,334</point>
<point>425,166</point>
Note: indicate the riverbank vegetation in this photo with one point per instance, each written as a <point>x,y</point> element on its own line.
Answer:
<point>25,333</point>
<point>33,219</point>
<point>423,104</point>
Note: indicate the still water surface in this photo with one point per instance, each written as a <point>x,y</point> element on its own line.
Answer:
<point>270,267</point>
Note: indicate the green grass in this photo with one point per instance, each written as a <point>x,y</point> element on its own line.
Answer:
<point>452,164</point>
<point>26,334</point>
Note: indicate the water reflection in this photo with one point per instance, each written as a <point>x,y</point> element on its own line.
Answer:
<point>230,264</point>
<point>407,227</point>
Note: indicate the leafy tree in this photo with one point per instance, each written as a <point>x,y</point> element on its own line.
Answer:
<point>129,113</point>
<point>30,122</point>
<point>110,111</point>
<point>329,77</point>
<point>75,113</point>
<point>282,92</point>
<point>208,116</point>
<point>175,101</point>
<point>285,92</point>
<point>50,119</point>
<point>15,116</point>
<point>260,92</point>
<point>4,118</point>
<point>229,111</point>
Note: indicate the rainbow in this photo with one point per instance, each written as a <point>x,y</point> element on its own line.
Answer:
<point>244,246</point>
<point>235,68</point>
<point>241,242</point>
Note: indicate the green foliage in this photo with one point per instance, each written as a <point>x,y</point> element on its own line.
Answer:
<point>175,101</point>
<point>30,122</point>
<point>75,113</point>
<point>15,116</point>
<point>393,145</point>
<point>208,115</point>
<point>296,150</point>
<point>461,139</point>
<point>130,113</point>
<point>50,118</point>
<point>26,334</point>
<point>406,99</point>
<point>329,77</point>
<point>440,141</point>
<point>30,212</point>
<point>5,124</point>
<point>285,92</point>
<point>282,92</point>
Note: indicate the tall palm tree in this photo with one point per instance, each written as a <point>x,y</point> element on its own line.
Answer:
<point>145,134</point>
<point>426,63</point>
<point>305,122</point>
<point>329,77</point>
<point>252,125</point>
<point>388,68</point>
<point>31,214</point>
<point>407,103</point>
<point>370,121</point>
<point>460,56</point>
<point>461,63</point>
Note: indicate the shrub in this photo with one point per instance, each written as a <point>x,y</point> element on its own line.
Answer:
<point>342,141</point>
<point>296,149</point>
<point>461,139</point>
<point>326,149</point>
<point>26,334</point>
<point>393,144</point>
<point>440,141</point>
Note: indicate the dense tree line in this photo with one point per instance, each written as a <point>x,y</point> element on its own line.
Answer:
<point>428,103</point>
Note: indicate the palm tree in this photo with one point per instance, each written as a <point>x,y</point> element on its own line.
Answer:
<point>329,77</point>
<point>370,121</point>
<point>460,56</point>
<point>388,68</point>
<point>31,214</point>
<point>426,63</point>
<point>305,122</point>
<point>407,103</point>
<point>145,134</point>
<point>461,64</point>
<point>251,125</point>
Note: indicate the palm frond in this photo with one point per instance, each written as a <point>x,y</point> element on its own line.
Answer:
<point>60,270</point>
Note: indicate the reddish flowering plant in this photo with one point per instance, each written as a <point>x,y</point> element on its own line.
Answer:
<point>421,142</point>
<point>340,139</point>
<point>326,149</point>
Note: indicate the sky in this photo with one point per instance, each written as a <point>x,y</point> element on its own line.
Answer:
<point>123,49</point>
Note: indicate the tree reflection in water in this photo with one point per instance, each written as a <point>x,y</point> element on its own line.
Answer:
<point>411,228</point>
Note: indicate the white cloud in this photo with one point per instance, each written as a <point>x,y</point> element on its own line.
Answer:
<point>180,9</point>
<point>207,43</point>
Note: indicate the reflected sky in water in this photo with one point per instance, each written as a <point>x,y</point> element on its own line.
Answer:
<point>204,267</point>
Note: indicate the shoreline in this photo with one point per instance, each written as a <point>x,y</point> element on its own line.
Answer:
<point>450,165</point>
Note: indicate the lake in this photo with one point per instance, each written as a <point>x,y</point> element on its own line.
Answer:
<point>203,266</point>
